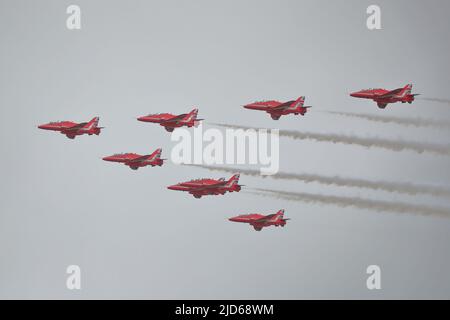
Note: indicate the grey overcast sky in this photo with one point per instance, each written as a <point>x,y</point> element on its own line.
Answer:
<point>133,238</point>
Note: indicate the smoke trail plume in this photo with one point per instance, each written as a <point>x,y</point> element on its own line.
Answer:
<point>356,202</point>
<point>369,142</point>
<point>416,122</point>
<point>440,100</point>
<point>389,186</point>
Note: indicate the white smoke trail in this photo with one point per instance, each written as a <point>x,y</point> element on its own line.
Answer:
<point>389,186</point>
<point>439,100</point>
<point>415,122</point>
<point>369,142</point>
<point>356,202</point>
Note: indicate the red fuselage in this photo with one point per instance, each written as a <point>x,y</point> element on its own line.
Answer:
<point>202,187</point>
<point>73,129</point>
<point>259,221</point>
<point>170,121</point>
<point>276,109</point>
<point>135,161</point>
<point>383,97</point>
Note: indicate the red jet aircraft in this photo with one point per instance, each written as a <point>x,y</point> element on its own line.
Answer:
<point>203,187</point>
<point>170,121</point>
<point>382,96</point>
<point>72,129</point>
<point>134,161</point>
<point>259,221</point>
<point>276,109</point>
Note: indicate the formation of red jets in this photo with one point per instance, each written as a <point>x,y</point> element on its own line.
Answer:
<point>203,187</point>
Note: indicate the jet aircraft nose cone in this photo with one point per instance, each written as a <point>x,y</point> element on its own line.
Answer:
<point>357,94</point>
<point>174,187</point>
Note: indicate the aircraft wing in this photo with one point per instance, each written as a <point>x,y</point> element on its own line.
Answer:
<point>391,93</point>
<point>210,186</point>
<point>282,106</point>
<point>76,127</point>
<point>139,159</point>
<point>175,119</point>
<point>264,219</point>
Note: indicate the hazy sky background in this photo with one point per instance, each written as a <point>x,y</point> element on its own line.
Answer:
<point>61,204</point>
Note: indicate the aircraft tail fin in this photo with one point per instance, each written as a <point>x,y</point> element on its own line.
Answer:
<point>191,116</point>
<point>280,215</point>
<point>156,154</point>
<point>92,124</point>
<point>234,180</point>
<point>406,90</point>
<point>298,103</point>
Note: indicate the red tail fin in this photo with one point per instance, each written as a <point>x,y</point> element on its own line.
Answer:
<point>92,124</point>
<point>406,90</point>
<point>298,103</point>
<point>191,116</point>
<point>156,154</point>
<point>233,180</point>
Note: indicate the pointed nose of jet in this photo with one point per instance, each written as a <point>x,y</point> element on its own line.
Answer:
<point>178,187</point>
<point>109,158</point>
<point>44,126</point>
<point>239,219</point>
<point>254,106</point>
<point>141,118</point>
<point>356,94</point>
